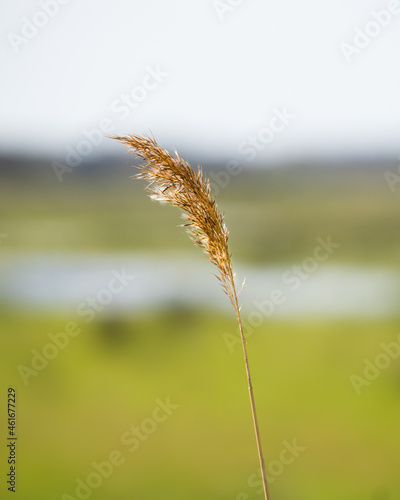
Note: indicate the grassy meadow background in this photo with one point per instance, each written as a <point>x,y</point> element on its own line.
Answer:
<point>108,379</point>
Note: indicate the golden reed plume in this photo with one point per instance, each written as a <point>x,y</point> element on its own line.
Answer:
<point>172,180</point>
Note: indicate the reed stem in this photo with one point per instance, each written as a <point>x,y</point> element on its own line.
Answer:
<point>252,402</point>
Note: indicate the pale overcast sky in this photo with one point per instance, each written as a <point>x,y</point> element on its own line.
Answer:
<point>252,79</point>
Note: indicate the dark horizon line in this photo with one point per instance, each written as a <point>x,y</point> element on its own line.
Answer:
<point>211,160</point>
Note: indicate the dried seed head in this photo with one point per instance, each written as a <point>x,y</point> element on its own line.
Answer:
<point>172,180</point>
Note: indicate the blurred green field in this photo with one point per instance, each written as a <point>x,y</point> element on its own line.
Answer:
<point>108,378</point>
<point>273,216</point>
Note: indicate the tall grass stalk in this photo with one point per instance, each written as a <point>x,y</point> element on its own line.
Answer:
<point>172,180</point>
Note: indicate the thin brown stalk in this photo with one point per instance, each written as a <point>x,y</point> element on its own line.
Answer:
<point>171,179</point>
